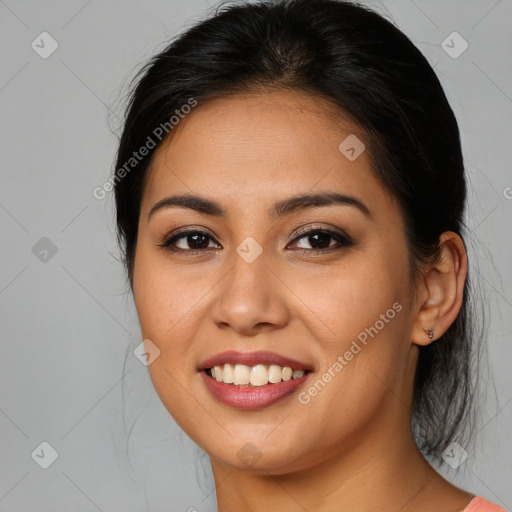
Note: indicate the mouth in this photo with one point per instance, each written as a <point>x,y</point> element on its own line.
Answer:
<point>252,380</point>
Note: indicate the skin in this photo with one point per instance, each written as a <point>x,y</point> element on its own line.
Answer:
<point>350,447</point>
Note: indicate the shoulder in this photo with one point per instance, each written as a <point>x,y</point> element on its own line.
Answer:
<point>479,504</point>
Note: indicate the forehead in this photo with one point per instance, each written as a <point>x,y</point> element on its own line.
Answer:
<point>263,145</point>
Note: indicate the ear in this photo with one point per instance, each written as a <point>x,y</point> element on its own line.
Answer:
<point>441,290</point>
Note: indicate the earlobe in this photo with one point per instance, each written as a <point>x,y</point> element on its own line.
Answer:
<point>443,290</point>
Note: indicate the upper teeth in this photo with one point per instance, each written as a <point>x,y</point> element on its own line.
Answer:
<point>259,375</point>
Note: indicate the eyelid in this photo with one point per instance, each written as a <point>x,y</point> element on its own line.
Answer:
<point>186,229</point>
<point>304,230</point>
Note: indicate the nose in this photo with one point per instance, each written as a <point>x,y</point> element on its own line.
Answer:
<point>250,299</point>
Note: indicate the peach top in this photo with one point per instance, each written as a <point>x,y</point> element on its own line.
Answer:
<point>479,504</point>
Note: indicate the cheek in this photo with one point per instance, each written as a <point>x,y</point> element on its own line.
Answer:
<point>351,297</point>
<point>170,303</point>
<point>362,333</point>
<point>163,294</point>
<point>165,306</point>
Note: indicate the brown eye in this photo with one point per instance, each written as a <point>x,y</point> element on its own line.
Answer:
<point>197,241</point>
<point>187,241</point>
<point>321,240</point>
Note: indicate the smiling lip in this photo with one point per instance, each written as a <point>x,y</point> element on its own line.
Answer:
<point>252,359</point>
<point>247,396</point>
<point>251,397</point>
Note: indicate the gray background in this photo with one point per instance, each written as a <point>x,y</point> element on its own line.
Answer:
<point>68,328</point>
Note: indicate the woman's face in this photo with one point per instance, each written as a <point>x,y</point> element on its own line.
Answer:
<point>320,285</point>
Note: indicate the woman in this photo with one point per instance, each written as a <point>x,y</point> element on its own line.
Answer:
<point>290,196</point>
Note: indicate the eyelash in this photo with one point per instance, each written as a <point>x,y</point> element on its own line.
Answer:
<point>343,241</point>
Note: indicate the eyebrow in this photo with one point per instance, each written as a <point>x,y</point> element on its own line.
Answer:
<point>279,209</point>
